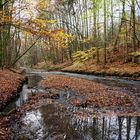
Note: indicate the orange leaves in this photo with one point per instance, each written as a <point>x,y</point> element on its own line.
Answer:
<point>42,4</point>
<point>31,103</point>
<point>9,84</point>
<point>5,20</point>
<point>95,94</point>
<point>4,129</point>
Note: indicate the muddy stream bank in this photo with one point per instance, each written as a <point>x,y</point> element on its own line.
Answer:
<point>57,119</point>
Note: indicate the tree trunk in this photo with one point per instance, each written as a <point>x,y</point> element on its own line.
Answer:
<point>133,30</point>
<point>105,37</point>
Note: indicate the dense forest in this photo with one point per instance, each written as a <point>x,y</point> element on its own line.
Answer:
<point>46,32</point>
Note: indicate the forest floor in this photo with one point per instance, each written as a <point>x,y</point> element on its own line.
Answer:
<point>122,70</point>
<point>129,70</point>
<point>10,84</point>
<point>116,64</point>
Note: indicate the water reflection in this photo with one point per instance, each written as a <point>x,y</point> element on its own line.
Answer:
<point>33,80</point>
<point>28,90</point>
<point>50,123</point>
<point>113,81</point>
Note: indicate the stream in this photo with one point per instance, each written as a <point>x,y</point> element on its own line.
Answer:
<point>58,120</point>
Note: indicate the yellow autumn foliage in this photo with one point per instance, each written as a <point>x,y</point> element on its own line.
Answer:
<point>83,56</point>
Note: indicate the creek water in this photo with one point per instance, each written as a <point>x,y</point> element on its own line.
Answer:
<point>58,120</point>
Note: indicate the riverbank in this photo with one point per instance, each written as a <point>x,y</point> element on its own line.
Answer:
<point>10,84</point>
<point>130,71</point>
<point>127,70</point>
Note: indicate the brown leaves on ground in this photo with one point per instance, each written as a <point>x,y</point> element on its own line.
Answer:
<point>118,64</point>
<point>31,103</point>
<point>5,128</point>
<point>95,94</point>
<point>10,82</point>
<point>114,69</point>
